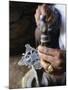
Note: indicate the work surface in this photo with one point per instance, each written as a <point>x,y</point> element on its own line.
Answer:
<point>16,72</point>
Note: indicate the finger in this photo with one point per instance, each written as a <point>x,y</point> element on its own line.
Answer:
<point>44,64</point>
<point>55,62</point>
<point>43,10</point>
<point>46,58</point>
<point>38,11</point>
<point>49,51</point>
<point>37,15</point>
<point>37,18</point>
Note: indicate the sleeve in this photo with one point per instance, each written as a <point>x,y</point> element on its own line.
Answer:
<point>54,28</point>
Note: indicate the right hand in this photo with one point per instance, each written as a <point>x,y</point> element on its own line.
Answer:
<point>52,58</point>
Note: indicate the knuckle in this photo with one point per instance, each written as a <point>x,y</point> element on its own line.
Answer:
<point>44,64</point>
<point>37,10</point>
<point>58,63</point>
<point>59,54</point>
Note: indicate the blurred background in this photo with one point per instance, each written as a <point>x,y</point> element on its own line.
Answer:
<point>22,25</point>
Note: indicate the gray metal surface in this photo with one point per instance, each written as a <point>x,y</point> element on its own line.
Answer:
<point>30,58</point>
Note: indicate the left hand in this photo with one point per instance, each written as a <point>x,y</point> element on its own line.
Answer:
<point>55,57</point>
<point>43,10</point>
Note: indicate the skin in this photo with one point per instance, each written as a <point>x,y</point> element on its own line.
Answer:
<point>41,10</point>
<point>55,57</point>
<point>49,56</point>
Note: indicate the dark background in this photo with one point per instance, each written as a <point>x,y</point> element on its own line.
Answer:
<point>21,25</point>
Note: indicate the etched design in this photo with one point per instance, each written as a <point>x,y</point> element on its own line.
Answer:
<point>30,58</point>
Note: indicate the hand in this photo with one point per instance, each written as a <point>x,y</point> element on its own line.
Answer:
<point>41,10</point>
<point>54,57</point>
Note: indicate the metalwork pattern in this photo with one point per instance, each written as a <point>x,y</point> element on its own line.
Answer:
<point>30,58</point>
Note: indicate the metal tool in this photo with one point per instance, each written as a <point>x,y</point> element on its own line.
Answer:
<point>30,58</point>
<point>45,37</point>
<point>44,31</point>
